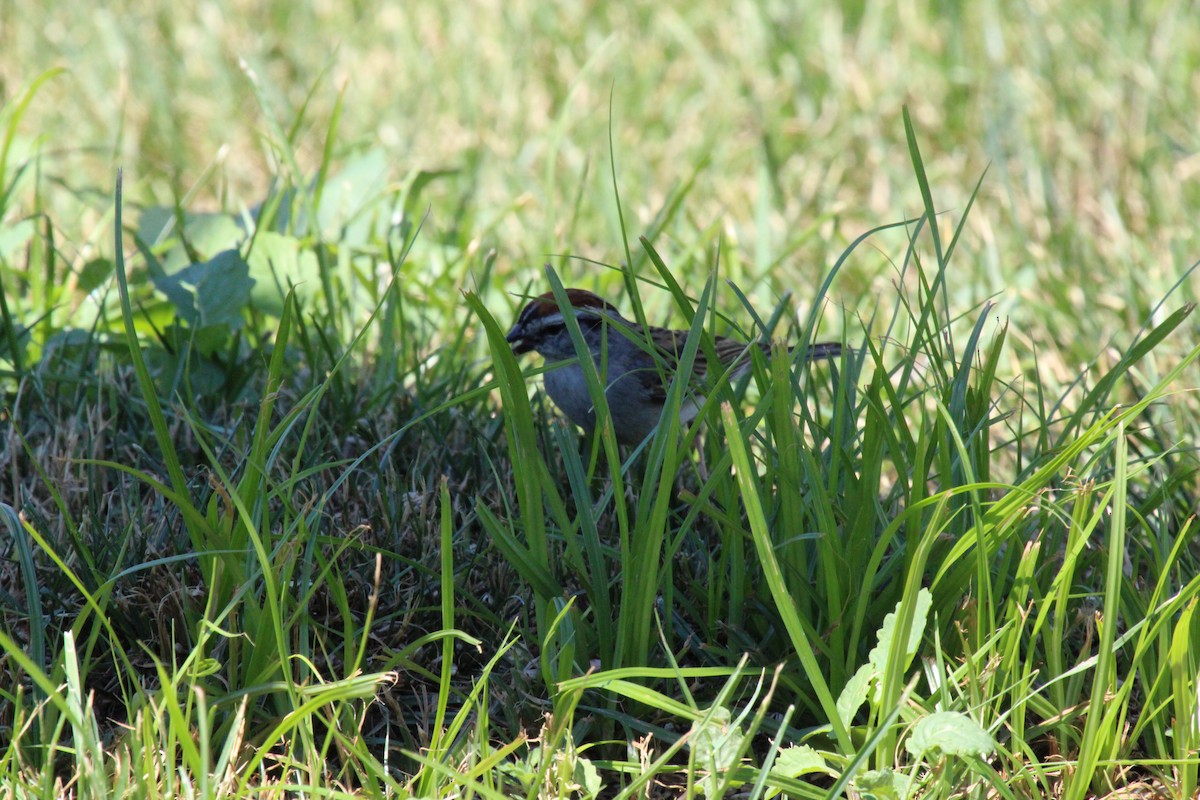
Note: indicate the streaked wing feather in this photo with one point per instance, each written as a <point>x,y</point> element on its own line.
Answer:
<point>730,352</point>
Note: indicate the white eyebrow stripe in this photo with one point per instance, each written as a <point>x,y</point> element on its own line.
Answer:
<point>531,312</point>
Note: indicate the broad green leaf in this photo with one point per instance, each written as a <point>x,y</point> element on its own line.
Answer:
<point>94,273</point>
<point>949,733</point>
<point>716,743</point>
<point>879,653</point>
<point>277,264</point>
<point>854,693</point>
<point>587,777</point>
<point>800,760</point>
<point>16,236</point>
<point>204,377</point>
<point>363,178</point>
<point>212,292</point>
<point>206,233</point>
<point>880,784</point>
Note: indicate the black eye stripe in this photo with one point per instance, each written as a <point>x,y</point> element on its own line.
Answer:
<point>586,323</point>
<point>558,326</point>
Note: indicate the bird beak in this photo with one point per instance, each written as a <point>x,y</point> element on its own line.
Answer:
<point>517,340</point>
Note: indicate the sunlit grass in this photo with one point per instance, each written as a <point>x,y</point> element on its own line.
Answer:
<point>281,512</point>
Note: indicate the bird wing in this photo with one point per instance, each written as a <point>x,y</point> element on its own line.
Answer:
<point>730,353</point>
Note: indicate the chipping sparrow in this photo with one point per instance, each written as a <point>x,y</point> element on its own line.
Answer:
<point>635,389</point>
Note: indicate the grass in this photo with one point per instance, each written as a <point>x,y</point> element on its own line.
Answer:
<point>283,514</point>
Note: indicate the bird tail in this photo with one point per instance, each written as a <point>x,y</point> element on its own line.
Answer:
<point>822,350</point>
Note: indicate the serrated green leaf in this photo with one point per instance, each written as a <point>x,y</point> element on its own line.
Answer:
<point>716,743</point>
<point>879,784</point>
<point>949,733</point>
<point>854,693</point>
<point>879,654</point>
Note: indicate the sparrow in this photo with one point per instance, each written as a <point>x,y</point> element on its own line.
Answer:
<point>635,381</point>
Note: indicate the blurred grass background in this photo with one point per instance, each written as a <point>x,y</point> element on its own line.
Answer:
<point>783,119</point>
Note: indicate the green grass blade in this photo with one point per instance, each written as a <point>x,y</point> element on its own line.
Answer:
<point>774,577</point>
